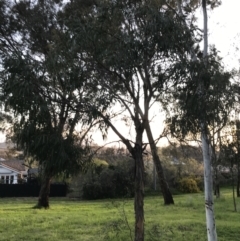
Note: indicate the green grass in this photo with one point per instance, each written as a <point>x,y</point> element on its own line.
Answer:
<point>112,219</point>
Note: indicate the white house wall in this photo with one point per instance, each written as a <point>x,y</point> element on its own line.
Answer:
<point>7,174</point>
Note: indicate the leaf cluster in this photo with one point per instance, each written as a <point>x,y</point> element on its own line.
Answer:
<point>205,94</point>
<point>123,38</point>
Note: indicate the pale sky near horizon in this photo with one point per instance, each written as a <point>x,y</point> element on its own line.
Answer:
<point>223,33</point>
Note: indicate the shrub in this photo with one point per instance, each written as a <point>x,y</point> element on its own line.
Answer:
<point>92,190</point>
<point>200,183</point>
<point>188,185</point>
<point>123,182</point>
<point>109,182</point>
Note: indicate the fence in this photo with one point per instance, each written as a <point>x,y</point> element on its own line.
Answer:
<point>31,190</point>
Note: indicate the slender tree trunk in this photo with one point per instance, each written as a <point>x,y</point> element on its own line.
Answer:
<point>139,194</point>
<point>233,189</point>
<point>208,190</point>
<point>43,199</point>
<point>216,183</point>
<point>238,155</point>
<point>137,153</point>
<point>167,195</point>
<point>238,179</point>
<point>154,178</point>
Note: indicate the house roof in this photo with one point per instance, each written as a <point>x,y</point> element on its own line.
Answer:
<point>14,164</point>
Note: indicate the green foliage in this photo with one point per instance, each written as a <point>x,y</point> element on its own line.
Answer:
<point>206,93</point>
<point>42,86</point>
<point>108,182</point>
<point>93,190</point>
<point>188,185</point>
<point>200,182</point>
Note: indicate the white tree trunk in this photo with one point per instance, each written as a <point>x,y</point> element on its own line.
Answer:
<point>208,183</point>
<point>208,189</point>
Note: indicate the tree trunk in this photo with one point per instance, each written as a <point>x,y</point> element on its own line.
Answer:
<point>43,199</point>
<point>233,189</point>
<point>208,189</point>
<point>139,193</point>
<point>238,179</point>
<point>137,153</point>
<point>167,195</point>
<point>238,153</point>
<point>216,184</point>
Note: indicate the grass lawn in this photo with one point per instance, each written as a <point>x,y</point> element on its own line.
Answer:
<point>113,219</point>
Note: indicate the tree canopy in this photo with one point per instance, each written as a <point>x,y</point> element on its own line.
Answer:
<point>45,84</point>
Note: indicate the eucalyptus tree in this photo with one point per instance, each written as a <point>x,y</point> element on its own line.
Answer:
<point>230,157</point>
<point>44,84</point>
<point>238,155</point>
<point>136,49</point>
<point>236,138</point>
<point>204,100</point>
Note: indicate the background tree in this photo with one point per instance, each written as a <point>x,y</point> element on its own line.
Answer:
<point>230,157</point>
<point>130,46</point>
<point>201,78</point>
<point>238,156</point>
<point>200,95</point>
<point>43,81</point>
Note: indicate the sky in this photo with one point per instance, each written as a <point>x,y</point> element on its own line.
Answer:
<point>224,33</point>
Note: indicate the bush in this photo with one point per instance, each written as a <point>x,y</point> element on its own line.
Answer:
<point>200,183</point>
<point>188,185</point>
<point>111,182</point>
<point>92,190</point>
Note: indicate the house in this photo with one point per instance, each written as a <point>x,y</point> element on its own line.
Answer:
<point>12,171</point>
